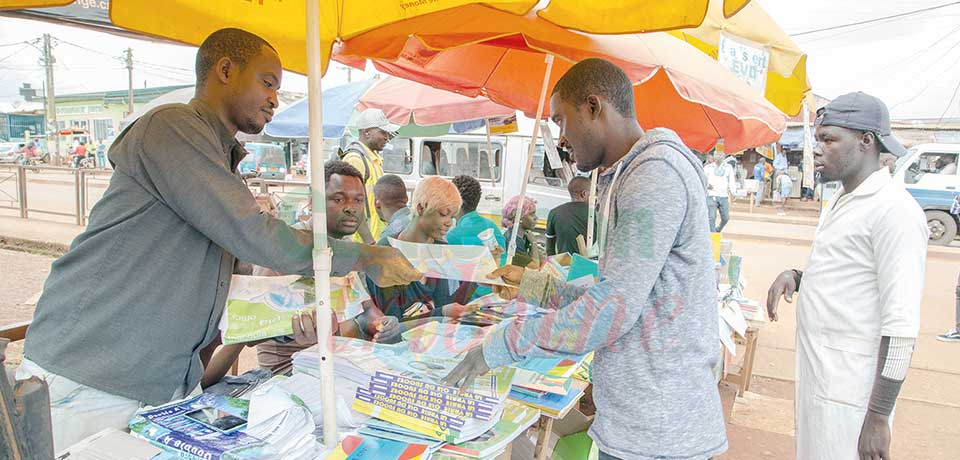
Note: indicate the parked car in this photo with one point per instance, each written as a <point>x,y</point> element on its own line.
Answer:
<point>929,172</point>
<point>10,153</point>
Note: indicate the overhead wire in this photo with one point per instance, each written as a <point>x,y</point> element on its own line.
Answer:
<point>932,80</point>
<point>871,21</point>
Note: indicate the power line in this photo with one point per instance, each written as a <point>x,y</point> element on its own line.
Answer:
<point>934,79</point>
<point>947,108</point>
<point>869,21</point>
<point>14,53</point>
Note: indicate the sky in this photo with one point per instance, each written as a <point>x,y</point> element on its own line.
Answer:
<point>911,62</point>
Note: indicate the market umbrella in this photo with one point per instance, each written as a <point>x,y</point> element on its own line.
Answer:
<point>14,4</point>
<point>419,110</point>
<point>787,76</point>
<point>406,101</point>
<point>632,16</point>
<point>676,86</point>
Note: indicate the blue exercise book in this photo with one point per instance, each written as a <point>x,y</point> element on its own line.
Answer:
<point>168,427</point>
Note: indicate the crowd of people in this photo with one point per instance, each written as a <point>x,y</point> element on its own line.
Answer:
<point>168,233</point>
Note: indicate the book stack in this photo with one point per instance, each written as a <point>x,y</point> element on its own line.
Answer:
<point>516,418</point>
<point>169,428</point>
<point>436,411</point>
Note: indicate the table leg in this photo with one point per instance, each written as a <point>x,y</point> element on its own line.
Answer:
<point>746,372</point>
<point>543,434</point>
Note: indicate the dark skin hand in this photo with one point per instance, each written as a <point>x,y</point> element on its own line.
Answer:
<point>472,366</point>
<point>874,441</point>
<point>785,285</point>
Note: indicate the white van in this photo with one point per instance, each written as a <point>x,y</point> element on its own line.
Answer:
<point>499,174</point>
<point>930,174</point>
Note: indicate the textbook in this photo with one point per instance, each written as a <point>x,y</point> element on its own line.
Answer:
<point>170,427</point>
<point>437,411</point>
<point>516,418</point>
<point>370,448</point>
<point>261,307</point>
<point>553,405</point>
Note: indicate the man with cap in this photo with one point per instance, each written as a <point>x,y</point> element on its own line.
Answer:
<point>858,313</point>
<point>375,131</point>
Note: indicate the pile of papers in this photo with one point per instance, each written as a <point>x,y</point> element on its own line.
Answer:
<point>552,404</point>
<point>169,428</point>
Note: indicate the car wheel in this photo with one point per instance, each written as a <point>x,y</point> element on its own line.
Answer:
<point>943,228</point>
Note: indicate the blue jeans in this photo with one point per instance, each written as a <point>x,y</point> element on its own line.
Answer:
<point>714,203</point>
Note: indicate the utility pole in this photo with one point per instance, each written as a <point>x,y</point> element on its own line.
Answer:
<point>128,56</point>
<point>51,106</point>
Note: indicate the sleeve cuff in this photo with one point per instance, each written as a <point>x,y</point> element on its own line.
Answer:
<point>495,350</point>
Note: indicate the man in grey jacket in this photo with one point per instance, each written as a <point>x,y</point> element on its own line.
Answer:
<point>126,311</point>
<point>652,318</point>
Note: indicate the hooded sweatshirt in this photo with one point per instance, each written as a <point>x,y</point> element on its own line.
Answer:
<point>651,318</point>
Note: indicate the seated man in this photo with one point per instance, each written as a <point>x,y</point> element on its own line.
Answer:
<point>345,194</point>
<point>390,202</point>
<point>435,202</point>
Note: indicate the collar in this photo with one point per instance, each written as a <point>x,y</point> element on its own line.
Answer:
<point>375,156</point>
<point>400,213</point>
<point>470,214</point>
<point>228,140</point>
<point>873,183</point>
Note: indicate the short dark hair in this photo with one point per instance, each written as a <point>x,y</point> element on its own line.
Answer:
<point>578,184</point>
<point>599,77</point>
<point>340,168</point>
<point>391,190</point>
<point>236,44</point>
<point>470,192</point>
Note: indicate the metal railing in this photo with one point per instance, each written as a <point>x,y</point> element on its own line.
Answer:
<point>82,180</point>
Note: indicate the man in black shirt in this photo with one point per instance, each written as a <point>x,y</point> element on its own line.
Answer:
<point>569,220</point>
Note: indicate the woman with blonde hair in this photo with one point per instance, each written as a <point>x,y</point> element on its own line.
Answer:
<point>435,204</point>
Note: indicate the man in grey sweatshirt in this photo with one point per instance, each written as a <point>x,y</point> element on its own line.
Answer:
<point>652,318</point>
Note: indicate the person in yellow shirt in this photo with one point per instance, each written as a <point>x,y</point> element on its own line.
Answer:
<point>375,131</point>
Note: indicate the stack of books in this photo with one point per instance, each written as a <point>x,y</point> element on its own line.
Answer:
<point>436,411</point>
<point>514,421</point>
<point>205,427</point>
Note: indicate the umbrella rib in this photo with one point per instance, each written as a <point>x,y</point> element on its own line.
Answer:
<point>495,68</point>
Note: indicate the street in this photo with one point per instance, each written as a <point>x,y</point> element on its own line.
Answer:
<point>761,426</point>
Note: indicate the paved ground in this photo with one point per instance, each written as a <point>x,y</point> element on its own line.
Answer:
<point>761,426</point>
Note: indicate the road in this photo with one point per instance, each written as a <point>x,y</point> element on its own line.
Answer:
<point>762,423</point>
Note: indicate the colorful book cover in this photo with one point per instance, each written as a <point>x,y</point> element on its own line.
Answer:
<point>583,272</point>
<point>370,448</point>
<point>168,428</point>
<point>515,420</point>
<point>549,403</point>
<point>260,307</point>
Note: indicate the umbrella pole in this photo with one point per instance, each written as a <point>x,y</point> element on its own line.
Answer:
<point>491,158</point>
<point>322,257</point>
<point>526,171</point>
<point>592,208</point>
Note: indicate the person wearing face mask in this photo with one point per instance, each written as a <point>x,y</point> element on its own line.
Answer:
<point>436,202</point>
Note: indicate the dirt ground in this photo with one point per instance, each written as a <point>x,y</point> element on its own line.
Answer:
<point>761,426</point>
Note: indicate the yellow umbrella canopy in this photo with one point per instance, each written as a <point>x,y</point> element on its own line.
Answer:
<point>632,16</point>
<point>12,4</point>
<point>282,23</point>
<point>787,76</point>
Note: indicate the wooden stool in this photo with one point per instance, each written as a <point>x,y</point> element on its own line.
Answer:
<point>741,375</point>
